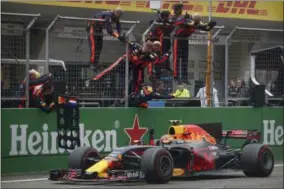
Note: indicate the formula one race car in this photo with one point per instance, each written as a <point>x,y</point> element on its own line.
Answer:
<point>186,150</point>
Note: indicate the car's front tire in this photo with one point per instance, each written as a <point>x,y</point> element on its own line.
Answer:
<point>257,160</point>
<point>158,165</point>
<point>81,157</point>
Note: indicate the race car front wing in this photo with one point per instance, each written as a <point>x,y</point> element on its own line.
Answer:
<point>76,175</point>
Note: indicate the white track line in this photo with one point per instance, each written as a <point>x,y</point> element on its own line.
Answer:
<point>81,187</point>
<point>43,179</point>
<point>24,180</point>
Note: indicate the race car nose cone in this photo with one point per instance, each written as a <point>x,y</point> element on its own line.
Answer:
<point>99,167</point>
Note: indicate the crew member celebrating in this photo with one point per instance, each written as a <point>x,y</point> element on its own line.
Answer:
<point>160,60</point>
<point>141,98</point>
<point>44,98</point>
<point>140,59</point>
<point>161,32</point>
<point>95,30</point>
<point>185,27</point>
<point>178,8</point>
<point>35,81</point>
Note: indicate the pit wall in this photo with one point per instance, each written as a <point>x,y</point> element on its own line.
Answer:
<point>29,136</point>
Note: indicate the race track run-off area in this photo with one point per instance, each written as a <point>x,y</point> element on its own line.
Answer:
<point>214,180</point>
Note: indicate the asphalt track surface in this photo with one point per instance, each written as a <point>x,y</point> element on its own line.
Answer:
<point>220,180</point>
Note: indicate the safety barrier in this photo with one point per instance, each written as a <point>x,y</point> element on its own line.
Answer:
<point>29,142</point>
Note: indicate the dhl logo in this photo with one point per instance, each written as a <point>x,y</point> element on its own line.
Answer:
<point>239,7</point>
<point>259,10</point>
<point>232,7</point>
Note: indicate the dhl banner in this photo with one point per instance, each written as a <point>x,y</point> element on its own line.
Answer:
<point>257,10</point>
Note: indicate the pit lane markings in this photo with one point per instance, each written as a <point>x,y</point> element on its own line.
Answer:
<point>43,179</point>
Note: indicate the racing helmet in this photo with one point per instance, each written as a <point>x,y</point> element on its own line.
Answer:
<point>170,140</point>
<point>167,139</point>
<point>148,88</point>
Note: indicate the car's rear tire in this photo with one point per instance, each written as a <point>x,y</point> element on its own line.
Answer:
<point>158,165</point>
<point>257,160</point>
<point>79,158</point>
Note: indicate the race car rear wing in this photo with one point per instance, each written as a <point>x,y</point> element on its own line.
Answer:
<point>252,135</point>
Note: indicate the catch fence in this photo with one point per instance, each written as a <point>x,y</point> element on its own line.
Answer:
<point>70,39</point>
<point>249,56</point>
<point>253,57</point>
<point>15,55</point>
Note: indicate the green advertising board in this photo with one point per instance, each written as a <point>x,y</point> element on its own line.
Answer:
<point>29,137</point>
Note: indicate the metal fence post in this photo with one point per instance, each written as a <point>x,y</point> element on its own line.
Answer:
<point>47,43</point>
<point>126,75</point>
<point>127,63</point>
<point>28,58</point>
<point>209,75</point>
<point>213,54</point>
<point>227,64</point>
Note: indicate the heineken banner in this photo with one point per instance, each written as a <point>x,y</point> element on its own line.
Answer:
<point>29,136</point>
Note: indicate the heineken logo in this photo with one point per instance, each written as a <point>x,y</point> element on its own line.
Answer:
<point>272,133</point>
<point>135,132</point>
<point>26,141</point>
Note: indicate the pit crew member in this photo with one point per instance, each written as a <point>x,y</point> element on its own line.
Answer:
<point>95,30</point>
<point>185,27</point>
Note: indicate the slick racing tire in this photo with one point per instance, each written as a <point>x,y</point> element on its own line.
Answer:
<point>158,165</point>
<point>82,158</point>
<point>257,160</point>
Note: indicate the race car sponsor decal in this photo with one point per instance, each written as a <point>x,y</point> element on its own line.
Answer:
<point>135,175</point>
<point>272,134</point>
<point>212,147</point>
<point>135,132</point>
<point>24,142</point>
<point>178,172</point>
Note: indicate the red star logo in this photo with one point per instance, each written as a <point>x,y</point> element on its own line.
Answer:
<point>136,132</point>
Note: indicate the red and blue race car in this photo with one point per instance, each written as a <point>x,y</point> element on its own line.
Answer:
<point>186,150</point>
